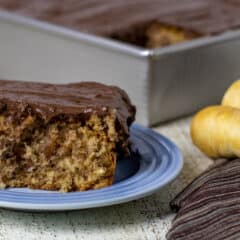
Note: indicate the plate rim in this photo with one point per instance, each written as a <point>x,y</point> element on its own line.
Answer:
<point>175,154</point>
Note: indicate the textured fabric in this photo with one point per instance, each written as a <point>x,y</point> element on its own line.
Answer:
<point>209,208</point>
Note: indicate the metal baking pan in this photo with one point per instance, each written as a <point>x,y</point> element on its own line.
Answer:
<point>164,83</point>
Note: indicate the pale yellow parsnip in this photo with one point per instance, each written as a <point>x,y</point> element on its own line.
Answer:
<point>215,130</point>
<point>232,95</point>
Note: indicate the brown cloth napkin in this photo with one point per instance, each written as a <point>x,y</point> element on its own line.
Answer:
<point>209,208</point>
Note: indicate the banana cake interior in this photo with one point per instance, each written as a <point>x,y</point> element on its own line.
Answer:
<point>62,137</point>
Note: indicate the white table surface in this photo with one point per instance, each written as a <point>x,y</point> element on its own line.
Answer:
<point>147,218</point>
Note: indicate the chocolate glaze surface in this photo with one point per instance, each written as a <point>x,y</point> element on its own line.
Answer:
<point>69,100</point>
<point>107,17</point>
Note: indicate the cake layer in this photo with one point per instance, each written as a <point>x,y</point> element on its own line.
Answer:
<point>111,18</point>
<point>62,137</point>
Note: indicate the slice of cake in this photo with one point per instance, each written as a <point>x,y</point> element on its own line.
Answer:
<point>62,137</point>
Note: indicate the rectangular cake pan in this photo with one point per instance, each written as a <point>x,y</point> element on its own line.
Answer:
<point>164,83</point>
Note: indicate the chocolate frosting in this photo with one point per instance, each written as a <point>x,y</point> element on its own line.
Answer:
<point>70,100</point>
<point>107,17</point>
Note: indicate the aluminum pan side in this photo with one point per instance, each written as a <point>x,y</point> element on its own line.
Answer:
<point>188,80</point>
<point>64,32</point>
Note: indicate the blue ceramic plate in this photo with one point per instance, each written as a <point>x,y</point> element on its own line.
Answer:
<point>157,162</point>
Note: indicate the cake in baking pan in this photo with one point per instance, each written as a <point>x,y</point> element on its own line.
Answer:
<point>146,23</point>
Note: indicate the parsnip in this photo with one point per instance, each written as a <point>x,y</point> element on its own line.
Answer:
<point>232,95</point>
<point>216,131</point>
